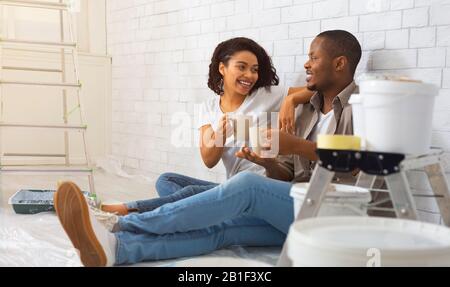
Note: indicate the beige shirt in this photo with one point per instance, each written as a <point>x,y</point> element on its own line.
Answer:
<point>307,117</point>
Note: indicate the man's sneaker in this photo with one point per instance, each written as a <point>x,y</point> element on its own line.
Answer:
<point>96,244</point>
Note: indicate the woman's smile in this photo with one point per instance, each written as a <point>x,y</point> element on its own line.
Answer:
<point>245,84</point>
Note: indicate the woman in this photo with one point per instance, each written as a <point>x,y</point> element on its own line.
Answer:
<point>245,82</point>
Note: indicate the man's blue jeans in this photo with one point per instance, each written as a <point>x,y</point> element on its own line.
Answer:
<point>248,210</point>
<point>171,187</point>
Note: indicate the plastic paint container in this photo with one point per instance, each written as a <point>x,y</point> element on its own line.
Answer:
<point>340,200</point>
<point>398,115</point>
<point>368,241</point>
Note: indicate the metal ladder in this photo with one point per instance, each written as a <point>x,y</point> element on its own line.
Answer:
<point>63,8</point>
<point>392,167</point>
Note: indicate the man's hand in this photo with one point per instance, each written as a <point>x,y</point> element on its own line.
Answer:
<point>286,117</point>
<point>283,143</point>
<point>279,142</point>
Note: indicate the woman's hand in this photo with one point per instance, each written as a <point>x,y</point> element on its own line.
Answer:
<point>212,141</point>
<point>271,165</point>
<point>248,154</point>
<point>223,131</point>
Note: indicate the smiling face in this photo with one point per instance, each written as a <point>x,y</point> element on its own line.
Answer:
<point>320,69</point>
<point>240,73</point>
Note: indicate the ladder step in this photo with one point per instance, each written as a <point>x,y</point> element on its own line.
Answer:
<point>49,126</point>
<point>35,4</point>
<point>45,169</point>
<point>32,155</point>
<point>32,69</point>
<point>38,43</point>
<point>64,85</point>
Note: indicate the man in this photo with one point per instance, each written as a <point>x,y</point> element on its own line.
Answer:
<point>245,210</point>
<point>333,58</point>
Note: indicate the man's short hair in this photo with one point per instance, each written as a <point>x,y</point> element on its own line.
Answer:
<point>342,43</point>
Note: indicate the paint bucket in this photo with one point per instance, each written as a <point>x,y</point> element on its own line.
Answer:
<point>367,242</point>
<point>356,101</point>
<point>340,200</point>
<point>398,115</point>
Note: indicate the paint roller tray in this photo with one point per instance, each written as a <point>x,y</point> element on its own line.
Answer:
<point>32,201</point>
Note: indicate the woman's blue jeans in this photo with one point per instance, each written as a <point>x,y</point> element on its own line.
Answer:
<point>171,187</point>
<point>248,210</point>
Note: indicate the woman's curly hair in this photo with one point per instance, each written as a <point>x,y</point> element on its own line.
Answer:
<point>267,74</point>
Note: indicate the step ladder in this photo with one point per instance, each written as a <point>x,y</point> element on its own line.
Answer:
<point>63,8</point>
<point>392,167</point>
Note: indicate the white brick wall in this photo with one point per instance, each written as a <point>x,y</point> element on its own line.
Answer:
<point>161,52</point>
<point>417,17</point>
<point>422,37</point>
<point>380,21</point>
<point>397,39</point>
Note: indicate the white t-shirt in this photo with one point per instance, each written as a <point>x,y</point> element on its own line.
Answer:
<point>322,125</point>
<point>259,105</point>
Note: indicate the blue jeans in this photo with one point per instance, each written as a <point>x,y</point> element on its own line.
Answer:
<point>248,209</point>
<point>171,187</point>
